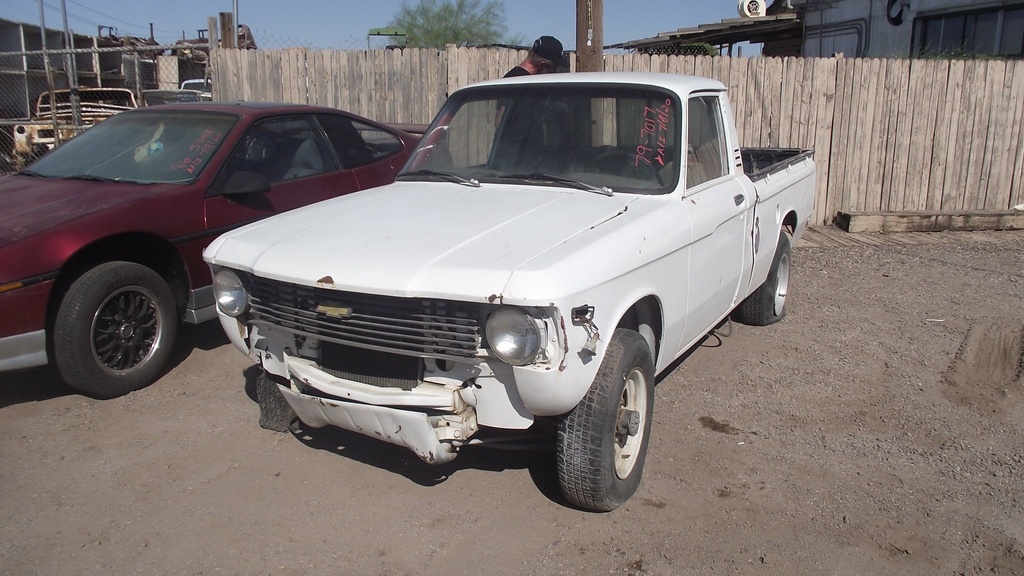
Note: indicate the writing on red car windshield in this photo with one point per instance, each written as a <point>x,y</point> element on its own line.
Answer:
<point>199,151</point>
<point>654,134</point>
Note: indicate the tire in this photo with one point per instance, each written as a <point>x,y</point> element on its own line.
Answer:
<point>767,304</point>
<point>115,330</point>
<point>275,412</point>
<point>602,443</point>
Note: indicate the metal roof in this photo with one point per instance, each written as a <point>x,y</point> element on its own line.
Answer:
<point>730,31</point>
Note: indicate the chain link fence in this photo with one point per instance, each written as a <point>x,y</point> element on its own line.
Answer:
<point>50,92</point>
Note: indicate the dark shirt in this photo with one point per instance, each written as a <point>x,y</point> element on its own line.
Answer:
<point>517,71</point>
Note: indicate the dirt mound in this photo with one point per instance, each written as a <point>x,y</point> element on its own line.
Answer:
<point>988,370</point>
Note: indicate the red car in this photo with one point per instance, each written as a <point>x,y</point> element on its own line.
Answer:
<point>101,240</point>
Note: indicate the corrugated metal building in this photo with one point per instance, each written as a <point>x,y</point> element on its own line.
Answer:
<point>860,29</point>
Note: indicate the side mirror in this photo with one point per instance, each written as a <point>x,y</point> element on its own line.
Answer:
<point>243,183</point>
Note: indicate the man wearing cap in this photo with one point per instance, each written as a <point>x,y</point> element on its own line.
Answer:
<point>545,57</point>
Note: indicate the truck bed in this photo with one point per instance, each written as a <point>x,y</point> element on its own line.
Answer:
<point>759,162</point>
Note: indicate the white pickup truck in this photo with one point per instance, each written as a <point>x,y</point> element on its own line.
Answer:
<point>553,244</point>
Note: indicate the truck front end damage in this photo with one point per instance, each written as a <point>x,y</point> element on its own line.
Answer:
<point>433,437</point>
<point>416,372</point>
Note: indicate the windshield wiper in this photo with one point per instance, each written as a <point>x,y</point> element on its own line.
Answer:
<point>446,175</point>
<point>571,182</point>
<point>92,178</point>
<point>32,173</point>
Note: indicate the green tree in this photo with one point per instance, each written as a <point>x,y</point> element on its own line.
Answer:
<point>435,23</point>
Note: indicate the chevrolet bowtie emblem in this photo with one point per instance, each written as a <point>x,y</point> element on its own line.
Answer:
<point>334,311</point>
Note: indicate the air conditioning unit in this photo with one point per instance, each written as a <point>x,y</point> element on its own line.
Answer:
<point>751,8</point>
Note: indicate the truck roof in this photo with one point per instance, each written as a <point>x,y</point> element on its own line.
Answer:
<point>679,83</point>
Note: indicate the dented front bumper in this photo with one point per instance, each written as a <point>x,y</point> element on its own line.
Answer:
<point>395,416</point>
<point>417,431</point>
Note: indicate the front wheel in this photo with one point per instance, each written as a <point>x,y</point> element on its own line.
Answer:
<point>115,330</point>
<point>602,442</point>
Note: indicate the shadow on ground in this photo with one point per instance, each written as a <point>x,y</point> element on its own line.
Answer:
<point>538,460</point>
<point>44,383</point>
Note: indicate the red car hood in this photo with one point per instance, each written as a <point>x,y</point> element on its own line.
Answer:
<point>33,204</point>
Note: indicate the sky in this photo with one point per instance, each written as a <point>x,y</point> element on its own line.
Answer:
<point>344,24</point>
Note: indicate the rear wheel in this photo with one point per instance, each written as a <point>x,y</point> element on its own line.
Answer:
<point>115,330</point>
<point>767,304</point>
<point>602,443</point>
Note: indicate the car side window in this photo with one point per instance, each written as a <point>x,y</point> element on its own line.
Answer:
<point>705,141</point>
<point>282,149</point>
<point>357,143</point>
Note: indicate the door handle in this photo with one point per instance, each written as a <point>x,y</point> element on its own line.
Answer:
<point>738,199</point>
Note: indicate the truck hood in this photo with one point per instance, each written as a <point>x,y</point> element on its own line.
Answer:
<point>34,204</point>
<point>416,239</point>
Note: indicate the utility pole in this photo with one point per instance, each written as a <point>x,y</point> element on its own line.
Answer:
<point>49,77</point>
<point>590,35</point>
<point>228,31</point>
<point>72,70</point>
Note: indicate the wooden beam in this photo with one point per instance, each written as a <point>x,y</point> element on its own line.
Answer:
<point>930,221</point>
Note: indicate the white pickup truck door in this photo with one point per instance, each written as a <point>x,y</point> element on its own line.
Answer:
<point>720,208</point>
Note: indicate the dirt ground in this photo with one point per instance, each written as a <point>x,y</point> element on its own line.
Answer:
<point>879,429</point>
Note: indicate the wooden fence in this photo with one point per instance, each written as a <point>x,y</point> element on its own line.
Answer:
<point>889,135</point>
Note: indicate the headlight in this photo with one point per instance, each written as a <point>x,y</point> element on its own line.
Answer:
<point>230,293</point>
<point>515,336</point>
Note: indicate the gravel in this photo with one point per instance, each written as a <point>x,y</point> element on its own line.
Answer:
<point>878,429</point>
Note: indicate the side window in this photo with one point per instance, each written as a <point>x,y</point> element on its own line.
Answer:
<point>705,141</point>
<point>381,143</point>
<point>281,149</point>
<point>356,143</point>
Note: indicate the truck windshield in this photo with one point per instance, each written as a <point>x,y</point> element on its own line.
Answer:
<point>616,137</point>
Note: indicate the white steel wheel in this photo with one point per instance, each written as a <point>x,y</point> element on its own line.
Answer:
<point>630,437</point>
<point>781,284</point>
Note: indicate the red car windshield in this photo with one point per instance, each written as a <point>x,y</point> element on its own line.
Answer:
<point>149,147</point>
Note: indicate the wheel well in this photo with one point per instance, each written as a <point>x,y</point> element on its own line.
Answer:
<point>145,249</point>
<point>647,312</point>
<point>789,222</point>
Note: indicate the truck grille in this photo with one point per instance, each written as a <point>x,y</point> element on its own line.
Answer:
<point>409,326</point>
<point>380,369</point>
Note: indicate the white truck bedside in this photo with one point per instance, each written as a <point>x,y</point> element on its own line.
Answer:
<point>554,243</point>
